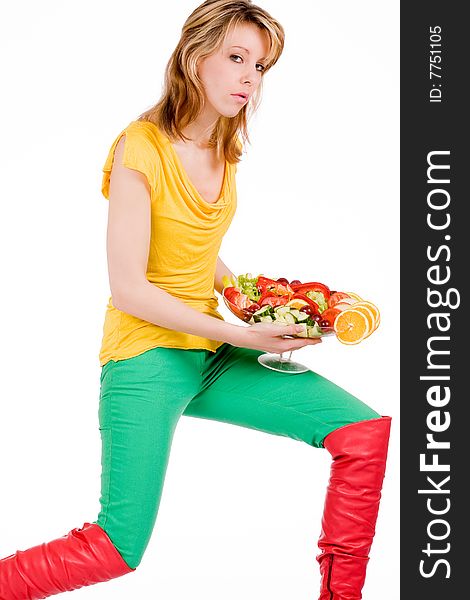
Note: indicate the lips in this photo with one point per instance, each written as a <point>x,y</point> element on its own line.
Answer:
<point>241,95</point>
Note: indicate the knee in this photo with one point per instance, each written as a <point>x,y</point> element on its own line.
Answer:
<point>129,544</point>
<point>131,551</point>
<point>134,558</point>
<point>361,437</point>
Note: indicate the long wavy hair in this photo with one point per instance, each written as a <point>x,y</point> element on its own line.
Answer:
<point>183,97</point>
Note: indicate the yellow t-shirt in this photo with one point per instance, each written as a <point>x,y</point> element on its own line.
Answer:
<point>186,234</point>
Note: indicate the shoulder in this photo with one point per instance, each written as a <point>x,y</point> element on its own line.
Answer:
<point>138,150</point>
<point>143,136</point>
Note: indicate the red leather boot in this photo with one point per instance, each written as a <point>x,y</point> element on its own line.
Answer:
<point>359,452</point>
<point>83,556</point>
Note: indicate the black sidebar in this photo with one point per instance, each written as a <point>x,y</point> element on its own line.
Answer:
<point>435,332</point>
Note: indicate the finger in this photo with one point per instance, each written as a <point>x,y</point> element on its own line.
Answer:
<point>303,342</point>
<point>291,330</point>
<point>312,341</point>
<point>306,341</point>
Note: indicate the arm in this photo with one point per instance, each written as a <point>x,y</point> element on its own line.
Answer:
<point>128,240</point>
<point>220,271</point>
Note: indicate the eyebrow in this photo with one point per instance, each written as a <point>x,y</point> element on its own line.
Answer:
<point>246,50</point>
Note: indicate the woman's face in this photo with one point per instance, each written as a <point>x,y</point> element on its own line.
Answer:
<point>236,68</point>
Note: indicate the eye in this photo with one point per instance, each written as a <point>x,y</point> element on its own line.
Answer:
<point>232,56</point>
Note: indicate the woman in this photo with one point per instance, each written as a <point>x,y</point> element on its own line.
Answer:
<point>166,351</point>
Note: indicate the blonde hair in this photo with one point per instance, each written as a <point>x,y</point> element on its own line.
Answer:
<point>182,98</point>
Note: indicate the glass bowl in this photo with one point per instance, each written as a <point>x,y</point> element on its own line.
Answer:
<point>246,315</point>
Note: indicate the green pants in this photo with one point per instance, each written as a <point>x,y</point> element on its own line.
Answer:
<point>142,398</point>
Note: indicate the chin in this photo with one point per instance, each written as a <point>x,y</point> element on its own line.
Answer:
<point>230,113</point>
<point>227,111</point>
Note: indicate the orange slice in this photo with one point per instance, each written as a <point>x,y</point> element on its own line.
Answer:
<point>369,316</point>
<point>353,295</point>
<point>374,310</point>
<point>351,326</point>
<point>296,303</point>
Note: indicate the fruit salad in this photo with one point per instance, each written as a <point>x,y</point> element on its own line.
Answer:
<point>314,305</point>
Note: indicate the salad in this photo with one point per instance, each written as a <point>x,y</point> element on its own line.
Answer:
<point>320,310</point>
<point>262,299</point>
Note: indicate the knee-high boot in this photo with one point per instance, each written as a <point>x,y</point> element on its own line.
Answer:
<point>359,453</point>
<point>84,556</point>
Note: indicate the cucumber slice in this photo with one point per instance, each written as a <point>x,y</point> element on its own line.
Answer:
<point>263,310</point>
<point>290,319</point>
<point>266,319</point>
<point>302,316</point>
<point>282,310</point>
<point>314,331</point>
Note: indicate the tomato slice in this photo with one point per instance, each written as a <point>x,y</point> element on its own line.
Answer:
<point>313,286</point>
<point>336,297</point>
<point>230,292</point>
<point>274,300</point>
<point>330,314</point>
<point>234,296</point>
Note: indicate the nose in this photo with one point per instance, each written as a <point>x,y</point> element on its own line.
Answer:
<point>251,75</point>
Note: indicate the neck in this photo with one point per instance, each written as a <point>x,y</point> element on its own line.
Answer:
<point>199,131</point>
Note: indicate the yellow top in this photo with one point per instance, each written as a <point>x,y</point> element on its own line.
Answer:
<point>186,234</point>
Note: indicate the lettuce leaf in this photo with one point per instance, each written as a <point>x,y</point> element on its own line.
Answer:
<point>247,285</point>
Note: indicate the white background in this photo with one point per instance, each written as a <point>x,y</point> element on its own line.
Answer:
<point>317,199</point>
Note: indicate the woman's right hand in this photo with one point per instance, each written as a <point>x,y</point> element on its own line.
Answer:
<point>269,338</point>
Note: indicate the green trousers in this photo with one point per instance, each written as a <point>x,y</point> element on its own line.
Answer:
<point>142,398</point>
